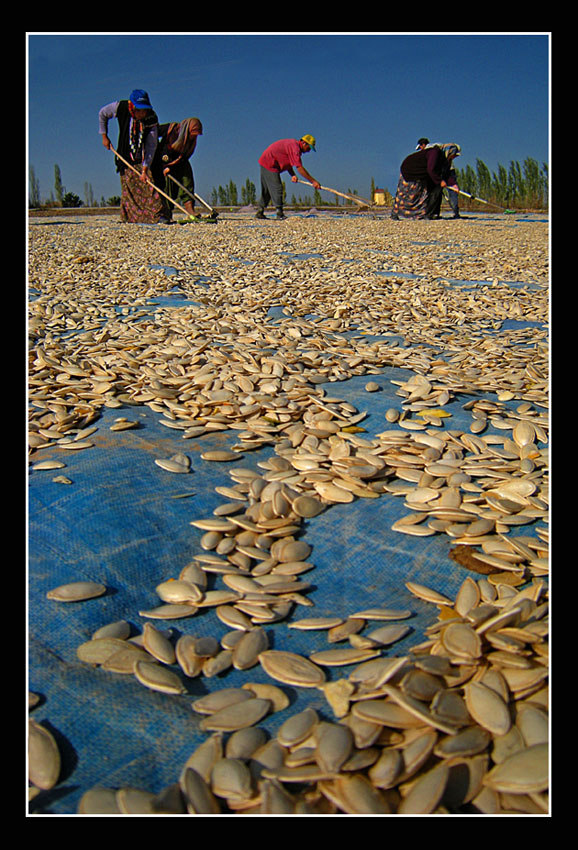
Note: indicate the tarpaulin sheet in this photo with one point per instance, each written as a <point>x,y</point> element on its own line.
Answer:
<point>126,523</point>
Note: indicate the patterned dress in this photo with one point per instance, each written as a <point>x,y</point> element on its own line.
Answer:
<point>411,199</point>
<point>140,203</point>
<point>418,180</point>
<point>137,141</point>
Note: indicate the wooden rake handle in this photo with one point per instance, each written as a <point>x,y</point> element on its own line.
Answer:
<point>473,197</point>
<point>362,201</point>
<point>192,195</point>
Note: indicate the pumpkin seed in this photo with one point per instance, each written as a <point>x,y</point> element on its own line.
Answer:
<point>44,763</point>
<point>77,591</point>
<point>158,678</point>
<point>292,669</point>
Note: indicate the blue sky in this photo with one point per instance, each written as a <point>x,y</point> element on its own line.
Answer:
<point>366,97</point>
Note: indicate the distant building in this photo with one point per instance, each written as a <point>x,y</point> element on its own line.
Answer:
<point>379,197</point>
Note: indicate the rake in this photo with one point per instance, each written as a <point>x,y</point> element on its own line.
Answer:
<point>160,191</point>
<point>194,196</point>
<point>361,201</point>
<point>481,200</point>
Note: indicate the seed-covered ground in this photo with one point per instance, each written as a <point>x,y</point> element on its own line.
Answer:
<point>288,515</point>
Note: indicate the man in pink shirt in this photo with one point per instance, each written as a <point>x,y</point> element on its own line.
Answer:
<point>284,155</point>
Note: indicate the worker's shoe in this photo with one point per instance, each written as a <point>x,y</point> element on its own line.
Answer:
<point>280,216</point>
<point>261,214</point>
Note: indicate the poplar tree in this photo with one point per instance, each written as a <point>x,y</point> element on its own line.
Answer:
<point>500,184</point>
<point>88,195</point>
<point>248,192</point>
<point>34,191</point>
<point>515,181</point>
<point>484,179</point>
<point>532,182</point>
<point>58,187</point>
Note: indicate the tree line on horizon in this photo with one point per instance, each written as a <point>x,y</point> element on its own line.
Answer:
<point>228,196</point>
<point>59,197</point>
<point>524,186</point>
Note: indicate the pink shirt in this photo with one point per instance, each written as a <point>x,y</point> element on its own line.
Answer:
<point>283,155</point>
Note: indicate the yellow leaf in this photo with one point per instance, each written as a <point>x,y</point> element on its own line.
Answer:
<point>437,411</point>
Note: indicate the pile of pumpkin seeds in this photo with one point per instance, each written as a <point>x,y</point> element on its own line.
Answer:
<point>460,723</point>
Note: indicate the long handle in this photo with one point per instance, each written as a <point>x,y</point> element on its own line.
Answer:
<point>192,195</point>
<point>150,182</point>
<point>473,197</point>
<point>362,201</point>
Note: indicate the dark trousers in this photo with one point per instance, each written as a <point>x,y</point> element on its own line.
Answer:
<point>434,202</point>
<point>271,190</point>
<point>453,199</point>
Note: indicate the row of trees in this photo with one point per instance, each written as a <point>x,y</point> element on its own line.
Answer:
<point>228,196</point>
<point>59,197</point>
<point>522,186</point>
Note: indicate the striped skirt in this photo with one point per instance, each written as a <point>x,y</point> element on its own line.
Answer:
<point>410,199</point>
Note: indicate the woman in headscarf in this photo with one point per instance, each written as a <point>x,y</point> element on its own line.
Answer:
<point>177,143</point>
<point>422,178</point>
<point>137,144</point>
<point>451,150</point>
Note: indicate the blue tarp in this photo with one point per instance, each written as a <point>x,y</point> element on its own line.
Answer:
<point>125,522</point>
